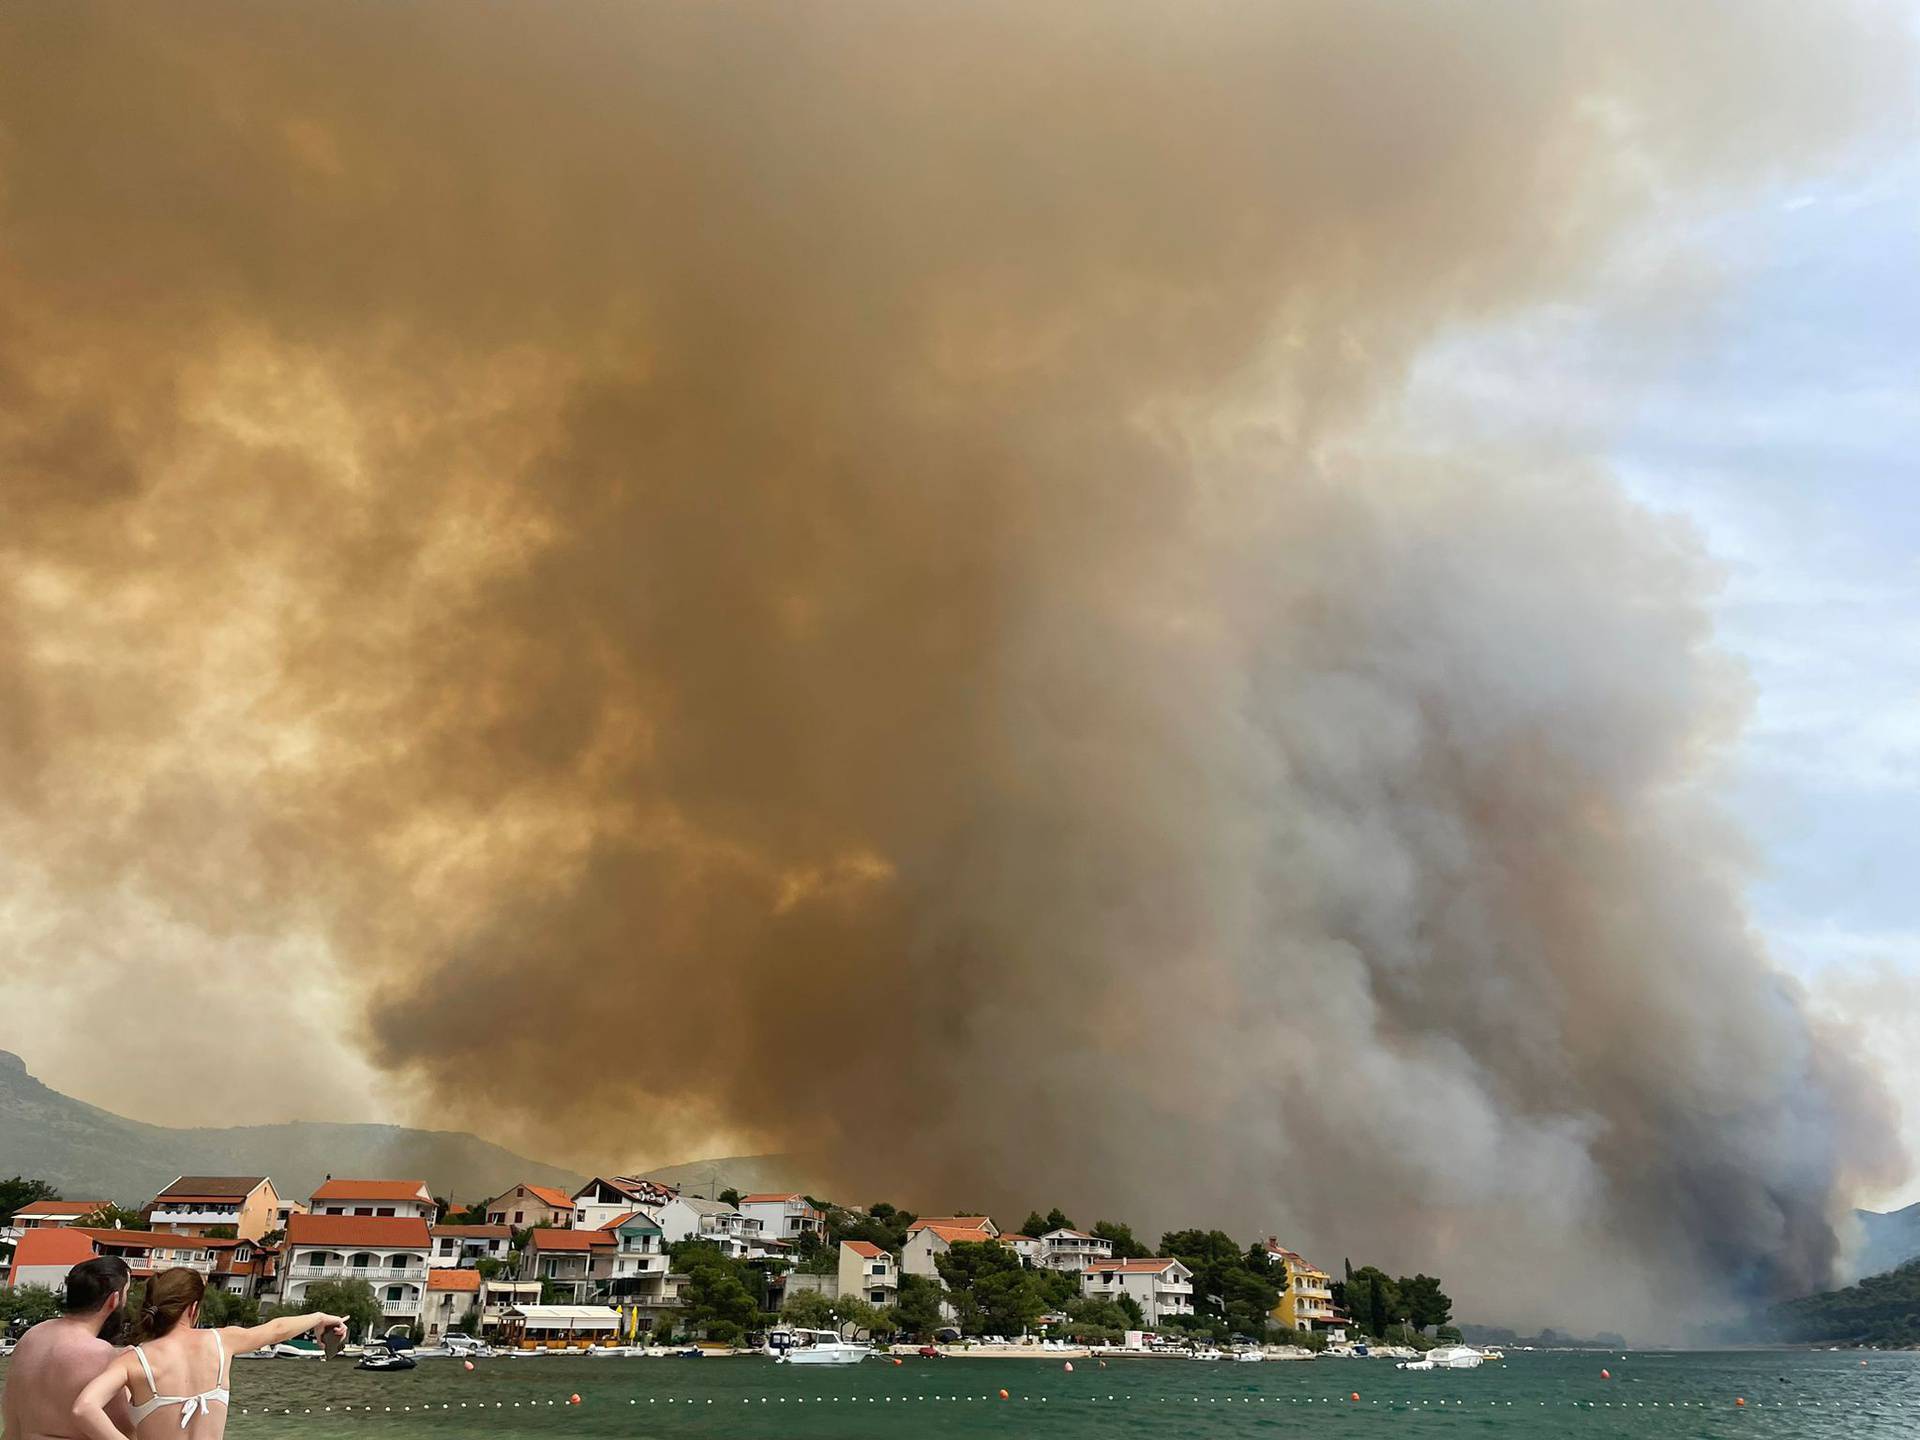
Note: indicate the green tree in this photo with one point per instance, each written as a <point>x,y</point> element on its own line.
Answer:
<point>993,1292</point>
<point>729,1196</point>
<point>27,1305</point>
<point>1447,1334</point>
<point>488,1266</point>
<point>1423,1302</point>
<point>474,1214</point>
<point>1125,1246</point>
<point>808,1309</point>
<point>21,1191</point>
<point>1057,1220</point>
<point>1374,1300</point>
<point>853,1317</point>
<point>1034,1225</point>
<point>218,1308</point>
<point>916,1311</point>
<point>715,1294</point>
<point>352,1300</point>
<point>222,1232</point>
<point>118,1217</point>
<point>1246,1299</point>
<point>1136,1317</point>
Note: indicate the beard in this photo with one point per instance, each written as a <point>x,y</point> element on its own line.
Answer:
<point>114,1326</point>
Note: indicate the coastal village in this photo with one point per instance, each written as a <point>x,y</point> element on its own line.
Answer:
<point>624,1260</point>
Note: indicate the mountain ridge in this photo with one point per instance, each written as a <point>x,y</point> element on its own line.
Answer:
<point>89,1152</point>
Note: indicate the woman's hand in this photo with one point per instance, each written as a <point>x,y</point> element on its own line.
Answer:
<point>324,1325</point>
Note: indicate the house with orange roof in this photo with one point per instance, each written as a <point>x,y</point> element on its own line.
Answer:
<point>452,1295</point>
<point>1027,1247</point>
<point>570,1264</point>
<point>198,1204</point>
<point>931,1237</point>
<point>526,1205</point>
<point>148,1252</point>
<point>869,1272</point>
<point>46,1253</point>
<point>1160,1287</point>
<point>783,1216</point>
<point>377,1199</point>
<point>50,1214</point>
<point>389,1252</point>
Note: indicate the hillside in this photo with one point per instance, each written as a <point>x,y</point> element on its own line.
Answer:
<point>1887,1241</point>
<point>83,1150</point>
<point>1880,1310</point>
<point>87,1151</point>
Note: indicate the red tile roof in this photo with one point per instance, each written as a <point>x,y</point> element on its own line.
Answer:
<point>547,1195</point>
<point>955,1234</point>
<point>952,1222</point>
<point>864,1247</point>
<point>372,1190</point>
<point>474,1232</point>
<point>395,1231</point>
<point>770,1198</point>
<point>550,1239</point>
<point>59,1207</point>
<point>1138,1267</point>
<point>453,1280</point>
<point>54,1245</point>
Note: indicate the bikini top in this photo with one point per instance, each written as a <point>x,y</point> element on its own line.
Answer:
<point>190,1405</point>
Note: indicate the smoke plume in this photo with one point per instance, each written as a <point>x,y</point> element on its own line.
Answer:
<point>843,577</point>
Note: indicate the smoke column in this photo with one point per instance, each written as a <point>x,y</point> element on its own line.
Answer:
<point>843,577</point>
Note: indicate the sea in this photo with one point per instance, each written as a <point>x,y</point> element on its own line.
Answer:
<point>1645,1396</point>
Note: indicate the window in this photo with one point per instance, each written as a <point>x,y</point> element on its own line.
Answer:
<point>384,1210</point>
<point>395,1292</point>
<point>363,1210</point>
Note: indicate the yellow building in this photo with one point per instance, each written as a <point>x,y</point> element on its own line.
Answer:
<point>1306,1295</point>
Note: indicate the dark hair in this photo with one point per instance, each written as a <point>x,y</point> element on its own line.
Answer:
<point>92,1282</point>
<point>170,1294</point>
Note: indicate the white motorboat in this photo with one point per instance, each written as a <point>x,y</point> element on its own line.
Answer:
<point>822,1347</point>
<point>1206,1352</point>
<point>1446,1357</point>
<point>299,1350</point>
<point>1244,1357</point>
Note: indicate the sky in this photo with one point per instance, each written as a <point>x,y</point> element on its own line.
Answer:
<point>1252,581</point>
<point>1781,420</point>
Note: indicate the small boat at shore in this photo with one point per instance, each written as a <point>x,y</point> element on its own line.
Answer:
<point>822,1347</point>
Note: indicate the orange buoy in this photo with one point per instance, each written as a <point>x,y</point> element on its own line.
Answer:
<point>1003,1395</point>
<point>1740,1400</point>
<point>573,1399</point>
<point>1068,1367</point>
<point>468,1364</point>
<point>1606,1375</point>
<point>1355,1396</point>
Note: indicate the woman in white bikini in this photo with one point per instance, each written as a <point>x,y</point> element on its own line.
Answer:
<point>176,1375</point>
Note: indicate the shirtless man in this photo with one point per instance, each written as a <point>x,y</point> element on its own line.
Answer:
<point>56,1358</point>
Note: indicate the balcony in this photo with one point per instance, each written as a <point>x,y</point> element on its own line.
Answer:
<point>370,1273</point>
<point>194,1215</point>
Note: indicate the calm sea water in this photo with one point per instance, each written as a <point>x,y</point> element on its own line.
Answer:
<point>1650,1397</point>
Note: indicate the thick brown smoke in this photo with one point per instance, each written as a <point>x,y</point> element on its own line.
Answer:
<point>838,576</point>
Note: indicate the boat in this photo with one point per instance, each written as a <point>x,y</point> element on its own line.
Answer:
<point>1244,1357</point>
<point>466,1347</point>
<point>378,1357</point>
<point>822,1347</point>
<point>689,1352</point>
<point>299,1350</point>
<point>1446,1357</point>
<point>1206,1352</point>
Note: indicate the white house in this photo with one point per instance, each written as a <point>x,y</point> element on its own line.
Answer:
<point>389,1252</point>
<point>1159,1287</point>
<point>576,1263</point>
<point>928,1238</point>
<point>602,1199</point>
<point>380,1199</point>
<point>1027,1247</point>
<point>456,1247</point>
<point>784,1217</point>
<point>1072,1250</point>
<point>689,1217</point>
<point>869,1272</point>
<point>50,1215</point>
